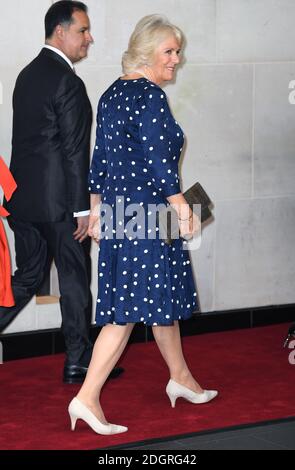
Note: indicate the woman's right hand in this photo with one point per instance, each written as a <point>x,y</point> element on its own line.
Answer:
<point>189,223</point>
<point>189,226</point>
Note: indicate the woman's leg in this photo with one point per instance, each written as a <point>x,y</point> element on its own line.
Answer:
<point>169,343</point>
<point>107,350</point>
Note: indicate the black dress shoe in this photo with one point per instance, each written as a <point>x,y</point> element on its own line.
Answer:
<point>116,372</point>
<point>75,374</point>
<point>291,334</point>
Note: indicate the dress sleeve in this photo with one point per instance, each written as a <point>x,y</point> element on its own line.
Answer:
<point>98,168</point>
<point>154,118</point>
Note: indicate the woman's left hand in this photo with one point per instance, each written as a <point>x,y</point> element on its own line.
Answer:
<point>94,227</point>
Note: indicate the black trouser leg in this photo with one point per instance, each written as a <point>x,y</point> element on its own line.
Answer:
<point>32,261</point>
<point>75,301</point>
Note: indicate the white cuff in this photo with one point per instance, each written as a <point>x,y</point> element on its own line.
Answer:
<point>81,214</point>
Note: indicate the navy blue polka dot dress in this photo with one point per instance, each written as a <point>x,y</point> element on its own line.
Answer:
<point>135,161</point>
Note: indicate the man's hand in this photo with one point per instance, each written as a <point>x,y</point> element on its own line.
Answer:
<point>82,227</point>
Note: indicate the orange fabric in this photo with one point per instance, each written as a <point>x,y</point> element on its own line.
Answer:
<point>9,185</point>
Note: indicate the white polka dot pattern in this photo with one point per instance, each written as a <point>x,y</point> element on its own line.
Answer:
<point>137,149</point>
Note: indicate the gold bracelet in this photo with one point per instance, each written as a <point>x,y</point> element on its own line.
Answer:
<point>184,220</point>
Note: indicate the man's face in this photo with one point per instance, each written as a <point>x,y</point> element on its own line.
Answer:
<point>76,38</point>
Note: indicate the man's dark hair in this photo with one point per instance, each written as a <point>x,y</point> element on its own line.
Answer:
<point>61,13</point>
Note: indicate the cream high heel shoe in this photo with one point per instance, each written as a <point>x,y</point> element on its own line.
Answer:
<point>77,410</point>
<point>175,390</point>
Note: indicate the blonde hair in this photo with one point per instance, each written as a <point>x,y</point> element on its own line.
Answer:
<point>148,33</point>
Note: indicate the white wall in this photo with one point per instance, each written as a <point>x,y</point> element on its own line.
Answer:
<point>232,99</point>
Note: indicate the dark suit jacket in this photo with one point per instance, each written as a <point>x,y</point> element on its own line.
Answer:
<point>50,143</point>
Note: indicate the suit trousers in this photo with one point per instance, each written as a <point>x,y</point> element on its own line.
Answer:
<point>36,245</point>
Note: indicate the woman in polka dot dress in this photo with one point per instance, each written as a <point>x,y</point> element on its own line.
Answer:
<point>141,279</point>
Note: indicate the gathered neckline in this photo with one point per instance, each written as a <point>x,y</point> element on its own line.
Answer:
<point>133,79</point>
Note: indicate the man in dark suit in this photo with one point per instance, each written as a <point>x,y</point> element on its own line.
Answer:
<point>50,160</point>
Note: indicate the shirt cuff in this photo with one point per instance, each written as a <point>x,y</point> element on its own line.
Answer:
<point>81,214</point>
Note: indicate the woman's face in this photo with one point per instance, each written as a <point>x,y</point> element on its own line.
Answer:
<point>165,59</point>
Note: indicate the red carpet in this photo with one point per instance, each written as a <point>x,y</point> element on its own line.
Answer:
<point>248,367</point>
